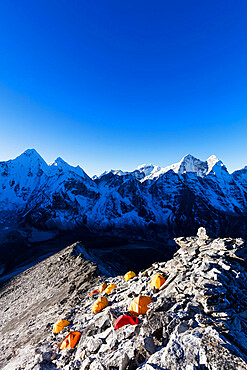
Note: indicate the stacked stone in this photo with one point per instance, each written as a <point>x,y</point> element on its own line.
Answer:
<point>197,319</point>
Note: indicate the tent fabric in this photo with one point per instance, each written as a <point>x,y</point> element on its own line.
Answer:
<point>110,288</point>
<point>59,325</point>
<point>125,320</point>
<point>129,275</point>
<point>157,281</point>
<point>139,305</point>
<point>100,304</point>
<point>95,291</point>
<point>102,287</point>
<point>70,340</point>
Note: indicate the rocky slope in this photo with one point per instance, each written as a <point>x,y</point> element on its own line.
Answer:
<point>197,320</point>
<point>148,203</point>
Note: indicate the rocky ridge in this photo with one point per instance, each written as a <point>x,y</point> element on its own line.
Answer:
<point>197,320</point>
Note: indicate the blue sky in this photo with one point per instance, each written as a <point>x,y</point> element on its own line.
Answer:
<point>114,84</point>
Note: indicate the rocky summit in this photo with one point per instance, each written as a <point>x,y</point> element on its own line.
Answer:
<point>196,320</point>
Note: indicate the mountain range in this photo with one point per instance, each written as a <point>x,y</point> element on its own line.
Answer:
<point>148,203</point>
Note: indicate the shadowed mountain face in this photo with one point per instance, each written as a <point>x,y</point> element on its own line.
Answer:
<point>151,202</point>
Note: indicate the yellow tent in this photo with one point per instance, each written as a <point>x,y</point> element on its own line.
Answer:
<point>98,305</point>
<point>102,287</point>
<point>110,288</point>
<point>157,281</point>
<point>129,275</point>
<point>59,325</point>
<point>139,305</point>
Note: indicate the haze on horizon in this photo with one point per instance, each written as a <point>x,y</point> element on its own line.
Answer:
<point>115,85</point>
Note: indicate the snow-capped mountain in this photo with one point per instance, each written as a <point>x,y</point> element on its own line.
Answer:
<point>149,202</point>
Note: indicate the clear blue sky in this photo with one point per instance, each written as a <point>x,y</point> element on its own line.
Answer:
<point>114,84</point>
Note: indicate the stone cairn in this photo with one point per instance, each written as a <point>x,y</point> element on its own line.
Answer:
<point>197,320</point>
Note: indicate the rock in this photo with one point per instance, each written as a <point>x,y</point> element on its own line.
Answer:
<point>93,344</point>
<point>85,364</point>
<point>116,360</point>
<point>202,234</point>
<point>149,344</point>
<point>96,365</point>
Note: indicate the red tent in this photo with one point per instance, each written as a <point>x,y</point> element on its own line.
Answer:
<point>126,320</point>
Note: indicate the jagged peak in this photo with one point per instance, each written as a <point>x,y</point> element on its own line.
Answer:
<point>31,152</point>
<point>114,172</point>
<point>59,160</point>
<point>212,158</point>
<point>189,157</point>
<point>215,166</point>
<point>143,166</point>
<point>62,166</point>
<point>29,158</point>
<point>189,163</point>
<point>148,169</point>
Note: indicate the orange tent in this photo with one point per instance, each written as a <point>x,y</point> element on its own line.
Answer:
<point>139,305</point>
<point>100,304</point>
<point>129,275</point>
<point>59,325</point>
<point>95,291</point>
<point>110,288</point>
<point>70,340</point>
<point>102,287</point>
<point>157,281</point>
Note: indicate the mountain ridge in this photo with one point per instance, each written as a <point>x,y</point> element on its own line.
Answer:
<point>147,203</point>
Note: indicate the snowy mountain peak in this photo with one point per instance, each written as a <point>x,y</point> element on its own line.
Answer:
<point>216,167</point>
<point>61,166</point>
<point>28,156</point>
<point>187,164</point>
<point>31,160</point>
<point>212,159</point>
<point>59,160</point>
<point>202,168</point>
<point>145,166</point>
<point>114,172</point>
<point>191,164</point>
<point>148,169</point>
<point>188,157</point>
<point>31,152</point>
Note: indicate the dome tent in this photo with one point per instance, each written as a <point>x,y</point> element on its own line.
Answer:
<point>110,288</point>
<point>102,287</point>
<point>70,340</point>
<point>100,304</point>
<point>139,305</point>
<point>59,325</point>
<point>129,275</point>
<point>157,281</point>
<point>125,320</point>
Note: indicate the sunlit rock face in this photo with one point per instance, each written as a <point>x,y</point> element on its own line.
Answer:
<point>148,203</point>
<point>196,320</point>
